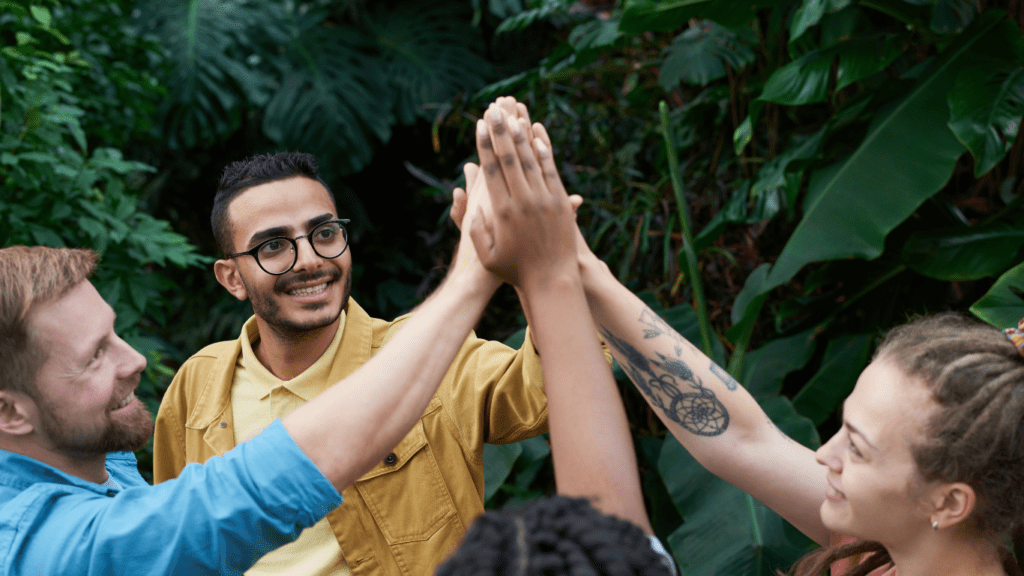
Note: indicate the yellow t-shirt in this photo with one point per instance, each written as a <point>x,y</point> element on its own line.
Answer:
<point>257,398</point>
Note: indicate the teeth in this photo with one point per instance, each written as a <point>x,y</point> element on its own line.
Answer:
<point>307,291</point>
<point>126,401</point>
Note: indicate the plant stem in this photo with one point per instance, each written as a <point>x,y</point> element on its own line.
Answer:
<point>684,221</point>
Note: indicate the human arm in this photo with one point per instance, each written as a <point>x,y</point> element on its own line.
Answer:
<point>710,414</point>
<point>528,240</point>
<point>349,428</point>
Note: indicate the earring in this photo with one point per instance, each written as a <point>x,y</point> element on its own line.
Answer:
<point>935,524</point>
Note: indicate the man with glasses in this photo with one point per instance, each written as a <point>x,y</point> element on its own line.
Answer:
<point>286,251</point>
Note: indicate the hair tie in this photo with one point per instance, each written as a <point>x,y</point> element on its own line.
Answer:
<point>1016,336</point>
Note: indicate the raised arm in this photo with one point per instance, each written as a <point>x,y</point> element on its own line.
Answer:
<point>710,413</point>
<point>349,428</point>
<point>529,241</point>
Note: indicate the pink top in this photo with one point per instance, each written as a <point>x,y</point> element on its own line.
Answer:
<point>843,566</point>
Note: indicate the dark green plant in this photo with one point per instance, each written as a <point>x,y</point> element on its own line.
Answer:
<point>65,181</point>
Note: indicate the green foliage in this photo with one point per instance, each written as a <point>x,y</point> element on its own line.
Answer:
<point>328,83</point>
<point>702,54</point>
<point>65,181</point>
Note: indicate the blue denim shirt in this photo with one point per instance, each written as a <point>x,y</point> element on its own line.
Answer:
<point>215,518</point>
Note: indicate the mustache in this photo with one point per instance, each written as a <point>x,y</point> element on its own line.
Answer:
<point>286,284</point>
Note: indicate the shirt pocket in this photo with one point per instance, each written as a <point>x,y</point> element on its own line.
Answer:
<point>406,494</point>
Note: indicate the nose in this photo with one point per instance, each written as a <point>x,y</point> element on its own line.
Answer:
<point>131,362</point>
<point>306,258</point>
<point>829,453</point>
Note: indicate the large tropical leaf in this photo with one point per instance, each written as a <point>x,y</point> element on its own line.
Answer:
<point>661,16</point>
<point>768,366</point>
<point>1003,305</point>
<point>907,155</point>
<point>217,73</point>
<point>810,12</point>
<point>725,531</point>
<point>966,252</point>
<point>845,358</point>
<point>986,106</point>
<point>333,97</point>
<point>703,53</point>
<point>430,56</point>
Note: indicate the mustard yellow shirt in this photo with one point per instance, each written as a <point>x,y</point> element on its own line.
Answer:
<point>409,512</point>
<point>257,398</point>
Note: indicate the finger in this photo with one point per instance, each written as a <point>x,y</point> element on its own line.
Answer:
<point>524,114</point>
<point>471,171</point>
<point>489,164</point>
<point>547,167</point>
<point>458,210</point>
<point>539,131</point>
<point>528,159</point>
<point>575,200</point>
<point>506,136</point>
<point>482,234</point>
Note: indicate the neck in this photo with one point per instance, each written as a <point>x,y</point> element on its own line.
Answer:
<point>286,355</point>
<point>949,552</point>
<point>88,467</point>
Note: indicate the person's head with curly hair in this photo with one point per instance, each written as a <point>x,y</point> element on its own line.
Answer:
<point>553,537</point>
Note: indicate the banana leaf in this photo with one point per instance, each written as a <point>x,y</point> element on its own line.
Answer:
<point>908,155</point>
<point>986,106</point>
<point>1003,305</point>
<point>845,358</point>
<point>966,252</point>
<point>725,531</point>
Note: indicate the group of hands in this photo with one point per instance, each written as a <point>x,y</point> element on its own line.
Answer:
<point>514,210</point>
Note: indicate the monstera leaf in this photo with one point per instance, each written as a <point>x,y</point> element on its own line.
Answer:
<point>429,56</point>
<point>662,16</point>
<point>217,73</point>
<point>703,53</point>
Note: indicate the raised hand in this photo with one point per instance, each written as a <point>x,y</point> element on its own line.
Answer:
<point>530,233</point>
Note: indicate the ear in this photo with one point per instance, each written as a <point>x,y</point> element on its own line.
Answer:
<point>17,412</point>
<point>952,504</point>
<point>229,277</point>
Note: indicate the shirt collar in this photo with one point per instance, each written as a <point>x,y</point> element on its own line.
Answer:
<point>307,385</point>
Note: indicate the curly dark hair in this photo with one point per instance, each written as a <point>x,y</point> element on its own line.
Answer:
<point>553,537</point>
<point>976,434</point>
<point>260,169</point>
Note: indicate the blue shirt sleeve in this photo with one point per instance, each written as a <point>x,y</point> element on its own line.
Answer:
<point>216,518</point>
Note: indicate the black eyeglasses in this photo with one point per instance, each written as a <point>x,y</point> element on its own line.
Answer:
<point>279,254</point>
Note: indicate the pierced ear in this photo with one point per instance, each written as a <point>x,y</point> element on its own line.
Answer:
<point>953,503</point>
<point>16,413</point>
<point>229,277</point>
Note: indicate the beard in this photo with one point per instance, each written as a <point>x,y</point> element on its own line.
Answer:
<point>125,433</point>
<point>266,306</point>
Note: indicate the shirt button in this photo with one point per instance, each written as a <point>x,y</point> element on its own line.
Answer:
<point>391,459</point>
<point>223,424</point>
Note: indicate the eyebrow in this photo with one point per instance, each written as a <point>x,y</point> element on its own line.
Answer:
<point>853,429</point>
<point>283,230</point>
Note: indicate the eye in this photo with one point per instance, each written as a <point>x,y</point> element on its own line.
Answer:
<point>272,247</point>
<point>327,232</point>
<point>98,354</point>
<point>853,448</point>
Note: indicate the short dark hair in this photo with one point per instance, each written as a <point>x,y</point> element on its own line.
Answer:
<point>241,175</point>
<point>552,537</point>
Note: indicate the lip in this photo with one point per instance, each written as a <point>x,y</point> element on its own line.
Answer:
<point>316,296</point>
<point>834,494</point>
<point>132,399</point>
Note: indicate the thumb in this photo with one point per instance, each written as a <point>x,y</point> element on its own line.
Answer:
<point>458,210</point>
<point>483,239</point>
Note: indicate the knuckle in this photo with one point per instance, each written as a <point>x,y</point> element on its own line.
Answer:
<point>492,169</point>
<point>509,159</point>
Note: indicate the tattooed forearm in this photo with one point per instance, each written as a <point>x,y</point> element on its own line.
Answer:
<point>724,376</point>
<point>699,411</point>
<point>655,326</point>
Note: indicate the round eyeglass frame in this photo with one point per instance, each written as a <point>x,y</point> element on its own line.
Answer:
<point>295,246</point>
